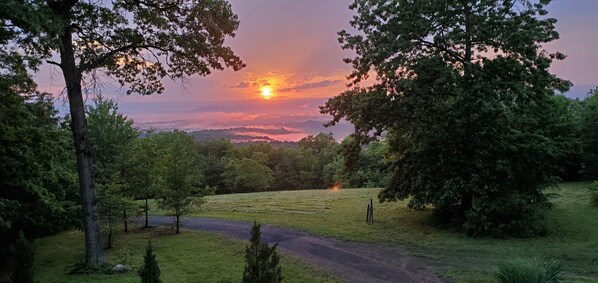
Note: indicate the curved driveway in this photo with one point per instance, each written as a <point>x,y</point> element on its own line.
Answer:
<point>349,261</point>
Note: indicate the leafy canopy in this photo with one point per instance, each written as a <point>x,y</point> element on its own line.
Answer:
<point>136,42</point>
<point>462,92</point>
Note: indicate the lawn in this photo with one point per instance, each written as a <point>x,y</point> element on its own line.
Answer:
<point>573,226</point>
<point>187,257</point>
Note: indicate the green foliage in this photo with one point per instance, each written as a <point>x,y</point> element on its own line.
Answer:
<point>590,135</point>
<point>471,134</point>
<point>111,135</point>
<point>566,117</point>
<point>142,176</point>
<point>37,175</point>
<point>261,261</point>
<point>594,199</point>
<point>125,256</point>
<point>113,201</point>
<point>23,257</point>
<point>180,167</point>
<point>573,229</point>
<point>192,256</point>
<point>150,271</point>
<point>247,175</point>
<point>594,194</point>
<point>525,270</point>
<point>296,170</point>
<point>115,38</point>
<point>371,168</point>
<point>217,153</point>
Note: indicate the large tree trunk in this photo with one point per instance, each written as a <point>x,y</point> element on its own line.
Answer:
<point>94,253</point>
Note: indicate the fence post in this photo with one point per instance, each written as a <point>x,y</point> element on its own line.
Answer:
<point>372,211</point>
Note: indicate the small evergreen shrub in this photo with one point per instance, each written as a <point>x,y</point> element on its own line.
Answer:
<point>526,270</point>
<point>150,271</point>
<point>23,256</point>
<point>261,261</point>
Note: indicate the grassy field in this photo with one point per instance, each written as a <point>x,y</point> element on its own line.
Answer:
<point>187,257</point>
<point>573,229</point>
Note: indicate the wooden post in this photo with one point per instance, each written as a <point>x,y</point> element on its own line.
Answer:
<point>369,215</point>
<point>371,211</point>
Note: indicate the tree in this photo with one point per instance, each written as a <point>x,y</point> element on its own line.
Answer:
<point>590,135</point>
<point>247,175</point>
<point>181,170</point>
<point>370,170</point>
<point>325,149</point>
<point>110,136</point>
<point>143,176</point>
<point>567,119</point>
<point>461,91</point>
<point>296,170</point>
<point>261,261</point>
<point>150,271</point>
<point>216,154</point>
<point>113,203</point>
<point>37,178</point>
<point>137,42</point>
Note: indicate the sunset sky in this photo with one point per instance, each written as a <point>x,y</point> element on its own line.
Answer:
<point>291,50</point>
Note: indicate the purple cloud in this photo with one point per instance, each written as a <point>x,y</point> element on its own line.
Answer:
<point>324,83</point>
<point>241,85</point>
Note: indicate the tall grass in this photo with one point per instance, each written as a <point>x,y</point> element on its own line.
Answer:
<point>529,270</point>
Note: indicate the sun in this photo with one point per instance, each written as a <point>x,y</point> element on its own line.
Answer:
<point>266,92</point>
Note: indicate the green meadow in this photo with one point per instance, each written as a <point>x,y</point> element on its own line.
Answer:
<point>204,257</point>
<point>572,239</point>
<point>186,257</point>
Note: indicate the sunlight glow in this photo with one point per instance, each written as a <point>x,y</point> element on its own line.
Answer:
<point>266,92</point>
<point>336,187</point>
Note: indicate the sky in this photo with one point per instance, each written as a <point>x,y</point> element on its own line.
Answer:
<point>291,51</point>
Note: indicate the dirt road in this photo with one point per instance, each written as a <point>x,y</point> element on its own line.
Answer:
<point>349,261</point>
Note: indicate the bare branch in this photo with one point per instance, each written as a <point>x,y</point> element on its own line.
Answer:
<point>94,64</point>
<point>443,48</point>
<point>54,63</point>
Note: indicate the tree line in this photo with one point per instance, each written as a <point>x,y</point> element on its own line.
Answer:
<point>133,166</point>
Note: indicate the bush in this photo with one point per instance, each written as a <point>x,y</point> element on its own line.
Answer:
<point>594,199</point>
<point>594,194</point>
<point>23,256</point>
<point>261,261</point>
<point>516,215</point>
<point>150,271</point>
<point>533,270</point>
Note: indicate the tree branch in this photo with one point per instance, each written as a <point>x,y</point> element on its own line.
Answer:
<point>443,48</point>
<point>94,64</point>
<point>98,62</point>
<point>54,63</point>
